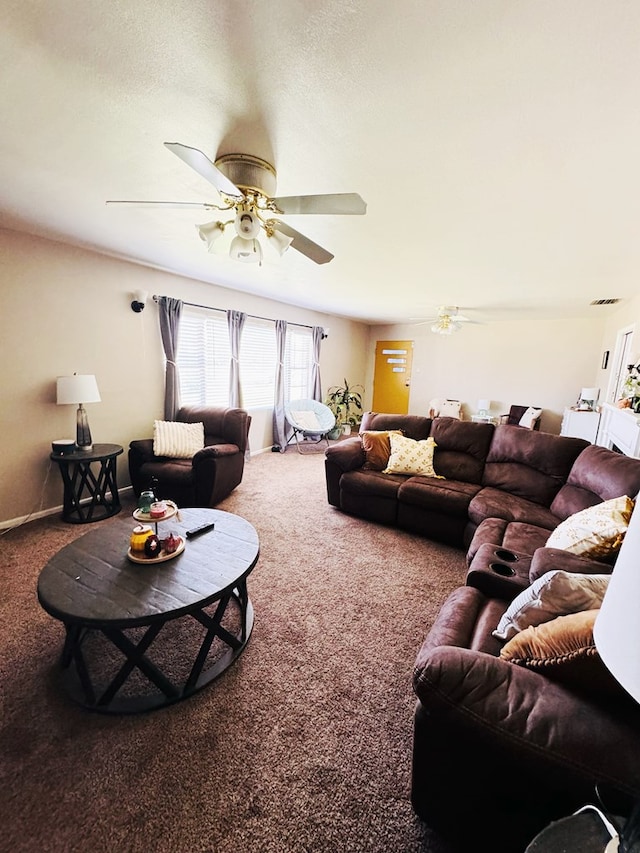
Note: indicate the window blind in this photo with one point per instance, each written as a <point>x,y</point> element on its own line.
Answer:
<point>204,354</point>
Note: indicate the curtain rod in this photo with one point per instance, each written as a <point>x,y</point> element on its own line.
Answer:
<point>224,310</point>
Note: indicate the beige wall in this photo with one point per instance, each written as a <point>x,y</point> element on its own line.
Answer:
<point>543,363</point>
<point>64,310</point>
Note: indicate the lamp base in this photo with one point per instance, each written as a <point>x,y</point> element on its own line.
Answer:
<point>83,433</point>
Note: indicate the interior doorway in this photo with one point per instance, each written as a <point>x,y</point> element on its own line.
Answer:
<point>392,377</point>
<point>623,356</point>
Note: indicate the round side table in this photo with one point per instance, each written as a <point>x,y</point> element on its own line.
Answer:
<point>89,495</point>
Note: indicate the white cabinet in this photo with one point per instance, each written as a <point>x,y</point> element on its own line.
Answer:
<point>580,424</point>
<point>620,430</point>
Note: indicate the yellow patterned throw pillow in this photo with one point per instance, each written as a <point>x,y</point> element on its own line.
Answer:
<point>594,532</point>
<point>409,456</point>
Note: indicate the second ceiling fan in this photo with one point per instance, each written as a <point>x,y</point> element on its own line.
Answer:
<point>447,321</point>
<point>247,185</point>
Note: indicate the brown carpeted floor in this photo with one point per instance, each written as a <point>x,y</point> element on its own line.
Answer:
<point>303,745</point>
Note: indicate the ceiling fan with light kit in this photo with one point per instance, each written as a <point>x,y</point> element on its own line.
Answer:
<point>246,186</point>
<point>447,320</point>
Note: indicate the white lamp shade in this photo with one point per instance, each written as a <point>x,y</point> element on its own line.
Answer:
<point>590,394</point>
<point>247,224</point>
<point>617,627</point>
<point>247,251</point>
<point>484,405</point>
<point>280,242</point>
<point>79,388</point>
<point>210,232</point>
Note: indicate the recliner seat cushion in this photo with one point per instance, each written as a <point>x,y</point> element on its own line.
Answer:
<point>495,503</point>
<point>513,535</point>
<point>170,470</point>
<point>444,496</point>
<point>373,483</point>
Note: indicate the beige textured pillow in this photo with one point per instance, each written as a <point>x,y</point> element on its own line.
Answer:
<point>376,446</point>
<point>176,439</point>
<point>564,650</point>
<point>594,532</point>
<point>411,457</point>
<point>556,593</point>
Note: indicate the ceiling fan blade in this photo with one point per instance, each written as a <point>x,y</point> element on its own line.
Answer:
<point>336,203</point>
<point>203,166</point>
<point>303,244</point>
<point>177,204</point>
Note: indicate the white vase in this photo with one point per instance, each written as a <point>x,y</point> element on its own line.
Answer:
<point>346,429</point>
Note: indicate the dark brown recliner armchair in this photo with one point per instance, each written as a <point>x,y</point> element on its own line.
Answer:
<point>515,414</point>
<point>206,478</point>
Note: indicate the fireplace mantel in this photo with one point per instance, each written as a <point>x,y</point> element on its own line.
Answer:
<point>619,430</point>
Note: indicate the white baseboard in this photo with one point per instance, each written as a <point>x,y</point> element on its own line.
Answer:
<point>43,513</point>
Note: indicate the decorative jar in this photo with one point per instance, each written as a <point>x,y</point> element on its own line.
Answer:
<point>139,536</point>
<point>145,500</point>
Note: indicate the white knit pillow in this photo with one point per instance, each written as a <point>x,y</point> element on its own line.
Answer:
<point>177,439</point>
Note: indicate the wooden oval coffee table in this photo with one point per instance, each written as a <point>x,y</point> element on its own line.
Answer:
<point>102,597</point>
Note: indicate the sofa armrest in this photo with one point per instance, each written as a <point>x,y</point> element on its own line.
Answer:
<point>466,619</point>
<point>510,751</point>
<point>529,720</point>
<point>347,455</point>
<point>547,559</point>
<point>140,451</point>
<point>214,451</point>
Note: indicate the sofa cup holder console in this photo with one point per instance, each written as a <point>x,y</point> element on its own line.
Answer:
<point>506,556</point>
<point>502,569</point>
<point>498,571</point>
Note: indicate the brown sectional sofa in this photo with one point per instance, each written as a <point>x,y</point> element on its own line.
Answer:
<point>499,750</point>
<point>503,484</point>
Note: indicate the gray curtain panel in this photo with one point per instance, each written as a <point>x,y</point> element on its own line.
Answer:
<point>235,322</point>
<point>316,387</point>
<point>280,428</point>
<point>170,311</point>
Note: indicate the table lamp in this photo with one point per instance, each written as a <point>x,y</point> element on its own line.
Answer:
<point>588,399</point>
<point>483,407</point>
<point>616,632</point>
<point>617,628</point>
<point>79,389</point>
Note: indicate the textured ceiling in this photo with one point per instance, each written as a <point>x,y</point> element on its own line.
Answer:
<point>496,142</point>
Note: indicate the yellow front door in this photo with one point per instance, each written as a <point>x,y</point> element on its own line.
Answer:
<point>392,377</point>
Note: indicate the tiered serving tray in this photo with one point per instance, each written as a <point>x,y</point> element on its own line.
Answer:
<point>147,518</point>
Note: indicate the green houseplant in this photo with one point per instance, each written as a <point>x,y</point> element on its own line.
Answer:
<point>345,401</point>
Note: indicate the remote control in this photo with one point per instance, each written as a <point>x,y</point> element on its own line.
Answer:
<point>196,531</point>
